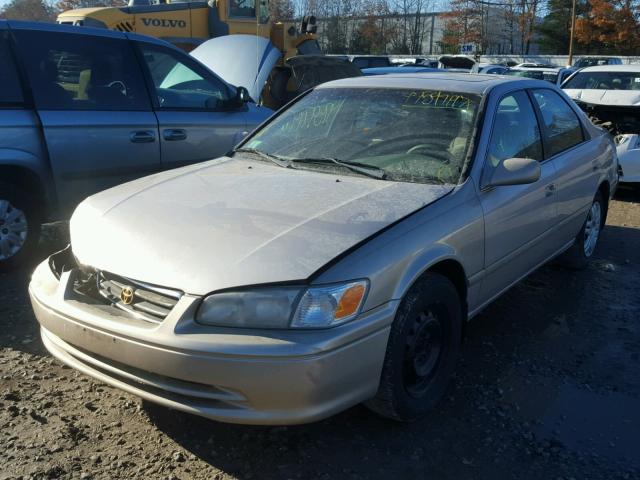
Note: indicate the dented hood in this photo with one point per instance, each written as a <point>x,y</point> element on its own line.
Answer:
<point>234,222</point>
<point>241,60</point>
<point>605,97</point>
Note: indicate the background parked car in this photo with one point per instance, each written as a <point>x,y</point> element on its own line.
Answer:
<point>402,69</point>
<point>553,75</point>
<point>233,57</point>
<point>595,61</point>
<point>610,95</point>
<point>370,61</point>
<point>84,109</point>
<point>489,68</point>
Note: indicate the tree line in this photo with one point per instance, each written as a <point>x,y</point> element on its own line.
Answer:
<point>424,26</point>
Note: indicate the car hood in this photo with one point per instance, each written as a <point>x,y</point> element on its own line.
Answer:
<point>605,97</point>
<point>241,60</point>
<point>233,222</point>
<point>457,61</point>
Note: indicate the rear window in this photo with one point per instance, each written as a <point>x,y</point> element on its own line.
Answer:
<point>604,81</point>
<point>11,92</point>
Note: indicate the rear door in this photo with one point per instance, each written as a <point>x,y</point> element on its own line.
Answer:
<point>98,123</point>
<point>579,163</point>
<point>191,106</point>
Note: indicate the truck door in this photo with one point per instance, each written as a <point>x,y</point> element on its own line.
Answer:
<point>190,102</point>
<point>96,115</point>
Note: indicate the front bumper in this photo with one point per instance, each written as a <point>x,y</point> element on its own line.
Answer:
<point>232,375</point>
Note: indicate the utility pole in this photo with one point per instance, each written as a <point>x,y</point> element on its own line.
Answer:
<point>571,34</point>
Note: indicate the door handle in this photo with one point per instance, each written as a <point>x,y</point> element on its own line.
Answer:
<point>549,189</point>
<point>142,136</point>
<point>173,134</point>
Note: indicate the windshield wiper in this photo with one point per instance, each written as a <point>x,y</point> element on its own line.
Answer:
<point>362,168</point>
<point>281,162</point>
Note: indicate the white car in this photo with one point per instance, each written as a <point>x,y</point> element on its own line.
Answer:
<point>629,157</point>
<point>610,95</point>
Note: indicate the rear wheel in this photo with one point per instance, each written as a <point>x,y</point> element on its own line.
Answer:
<point>422,350</point>
<point>19,227</point>
<point>584,247</point>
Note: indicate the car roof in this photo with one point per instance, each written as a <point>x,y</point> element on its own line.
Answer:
<point>81,30</point>
<point>612,68</point>
<point>453,82</point>
<point>537,69</point>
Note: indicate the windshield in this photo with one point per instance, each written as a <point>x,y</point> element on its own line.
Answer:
<point>538,75</point>
<point>604,81</point>
<point>403,134</point>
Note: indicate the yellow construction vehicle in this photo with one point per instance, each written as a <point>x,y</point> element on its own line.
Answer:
<point>187,24</point>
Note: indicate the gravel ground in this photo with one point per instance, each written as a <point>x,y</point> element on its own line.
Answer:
<point>548,388</point>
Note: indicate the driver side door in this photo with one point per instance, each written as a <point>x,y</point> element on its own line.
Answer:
<point>190,104</point>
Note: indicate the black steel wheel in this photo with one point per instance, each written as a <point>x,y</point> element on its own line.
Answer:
<point>423,347</point>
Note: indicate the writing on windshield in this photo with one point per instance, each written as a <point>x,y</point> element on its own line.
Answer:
<point>436,99</point>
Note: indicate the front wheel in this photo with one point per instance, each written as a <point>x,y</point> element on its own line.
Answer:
<point>422,350</point>
<point>584,247</point>
<point>19,227</point>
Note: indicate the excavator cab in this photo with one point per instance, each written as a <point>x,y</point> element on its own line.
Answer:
<point>187,24</point>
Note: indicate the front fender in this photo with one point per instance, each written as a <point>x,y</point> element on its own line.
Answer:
<point>426,260</point>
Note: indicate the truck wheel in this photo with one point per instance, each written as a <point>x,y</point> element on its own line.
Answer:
<point>422,350</point>
<point>578,255</point>
<point>19,227</point>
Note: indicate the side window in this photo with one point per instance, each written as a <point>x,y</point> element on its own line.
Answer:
<point>562,127</point>
<point>11,92</point>
<point>515,130</point>
<point>180,83</point>
<point>70,72</point>
<point>242,8</point>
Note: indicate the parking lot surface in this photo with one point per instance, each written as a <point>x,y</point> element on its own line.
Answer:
<point>548,387</point>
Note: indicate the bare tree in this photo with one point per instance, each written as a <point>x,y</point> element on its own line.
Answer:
<point>32,10</point>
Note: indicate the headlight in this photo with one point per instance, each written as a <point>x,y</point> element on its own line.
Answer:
<point>315,307</point>
<point>329,306</point>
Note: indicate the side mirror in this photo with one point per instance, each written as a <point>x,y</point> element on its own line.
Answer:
<point>242,96</point>
<point>515,171</point>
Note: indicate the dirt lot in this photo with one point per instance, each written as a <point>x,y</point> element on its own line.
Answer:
<point>548,388</point>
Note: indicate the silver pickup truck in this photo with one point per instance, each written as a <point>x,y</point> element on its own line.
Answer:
<point>84,109</point>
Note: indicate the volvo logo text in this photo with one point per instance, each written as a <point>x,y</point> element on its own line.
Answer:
<point>163,22</point>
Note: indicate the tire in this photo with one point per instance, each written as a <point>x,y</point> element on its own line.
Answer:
<point>19,227</point>
<point>578,255</point>
<point>422,351</point>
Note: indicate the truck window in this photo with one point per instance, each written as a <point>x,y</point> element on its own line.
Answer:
<point>242,8</point>
<point>11,92</point>
<point>69,72</point>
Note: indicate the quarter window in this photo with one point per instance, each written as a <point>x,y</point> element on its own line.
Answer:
<point>562,127</point>
<point>180,84</point>
<point>71,72</point>
<point>515,130</point>
<point>10,93</point>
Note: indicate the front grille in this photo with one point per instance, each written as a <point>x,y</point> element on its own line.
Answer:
<point>143,301</point>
